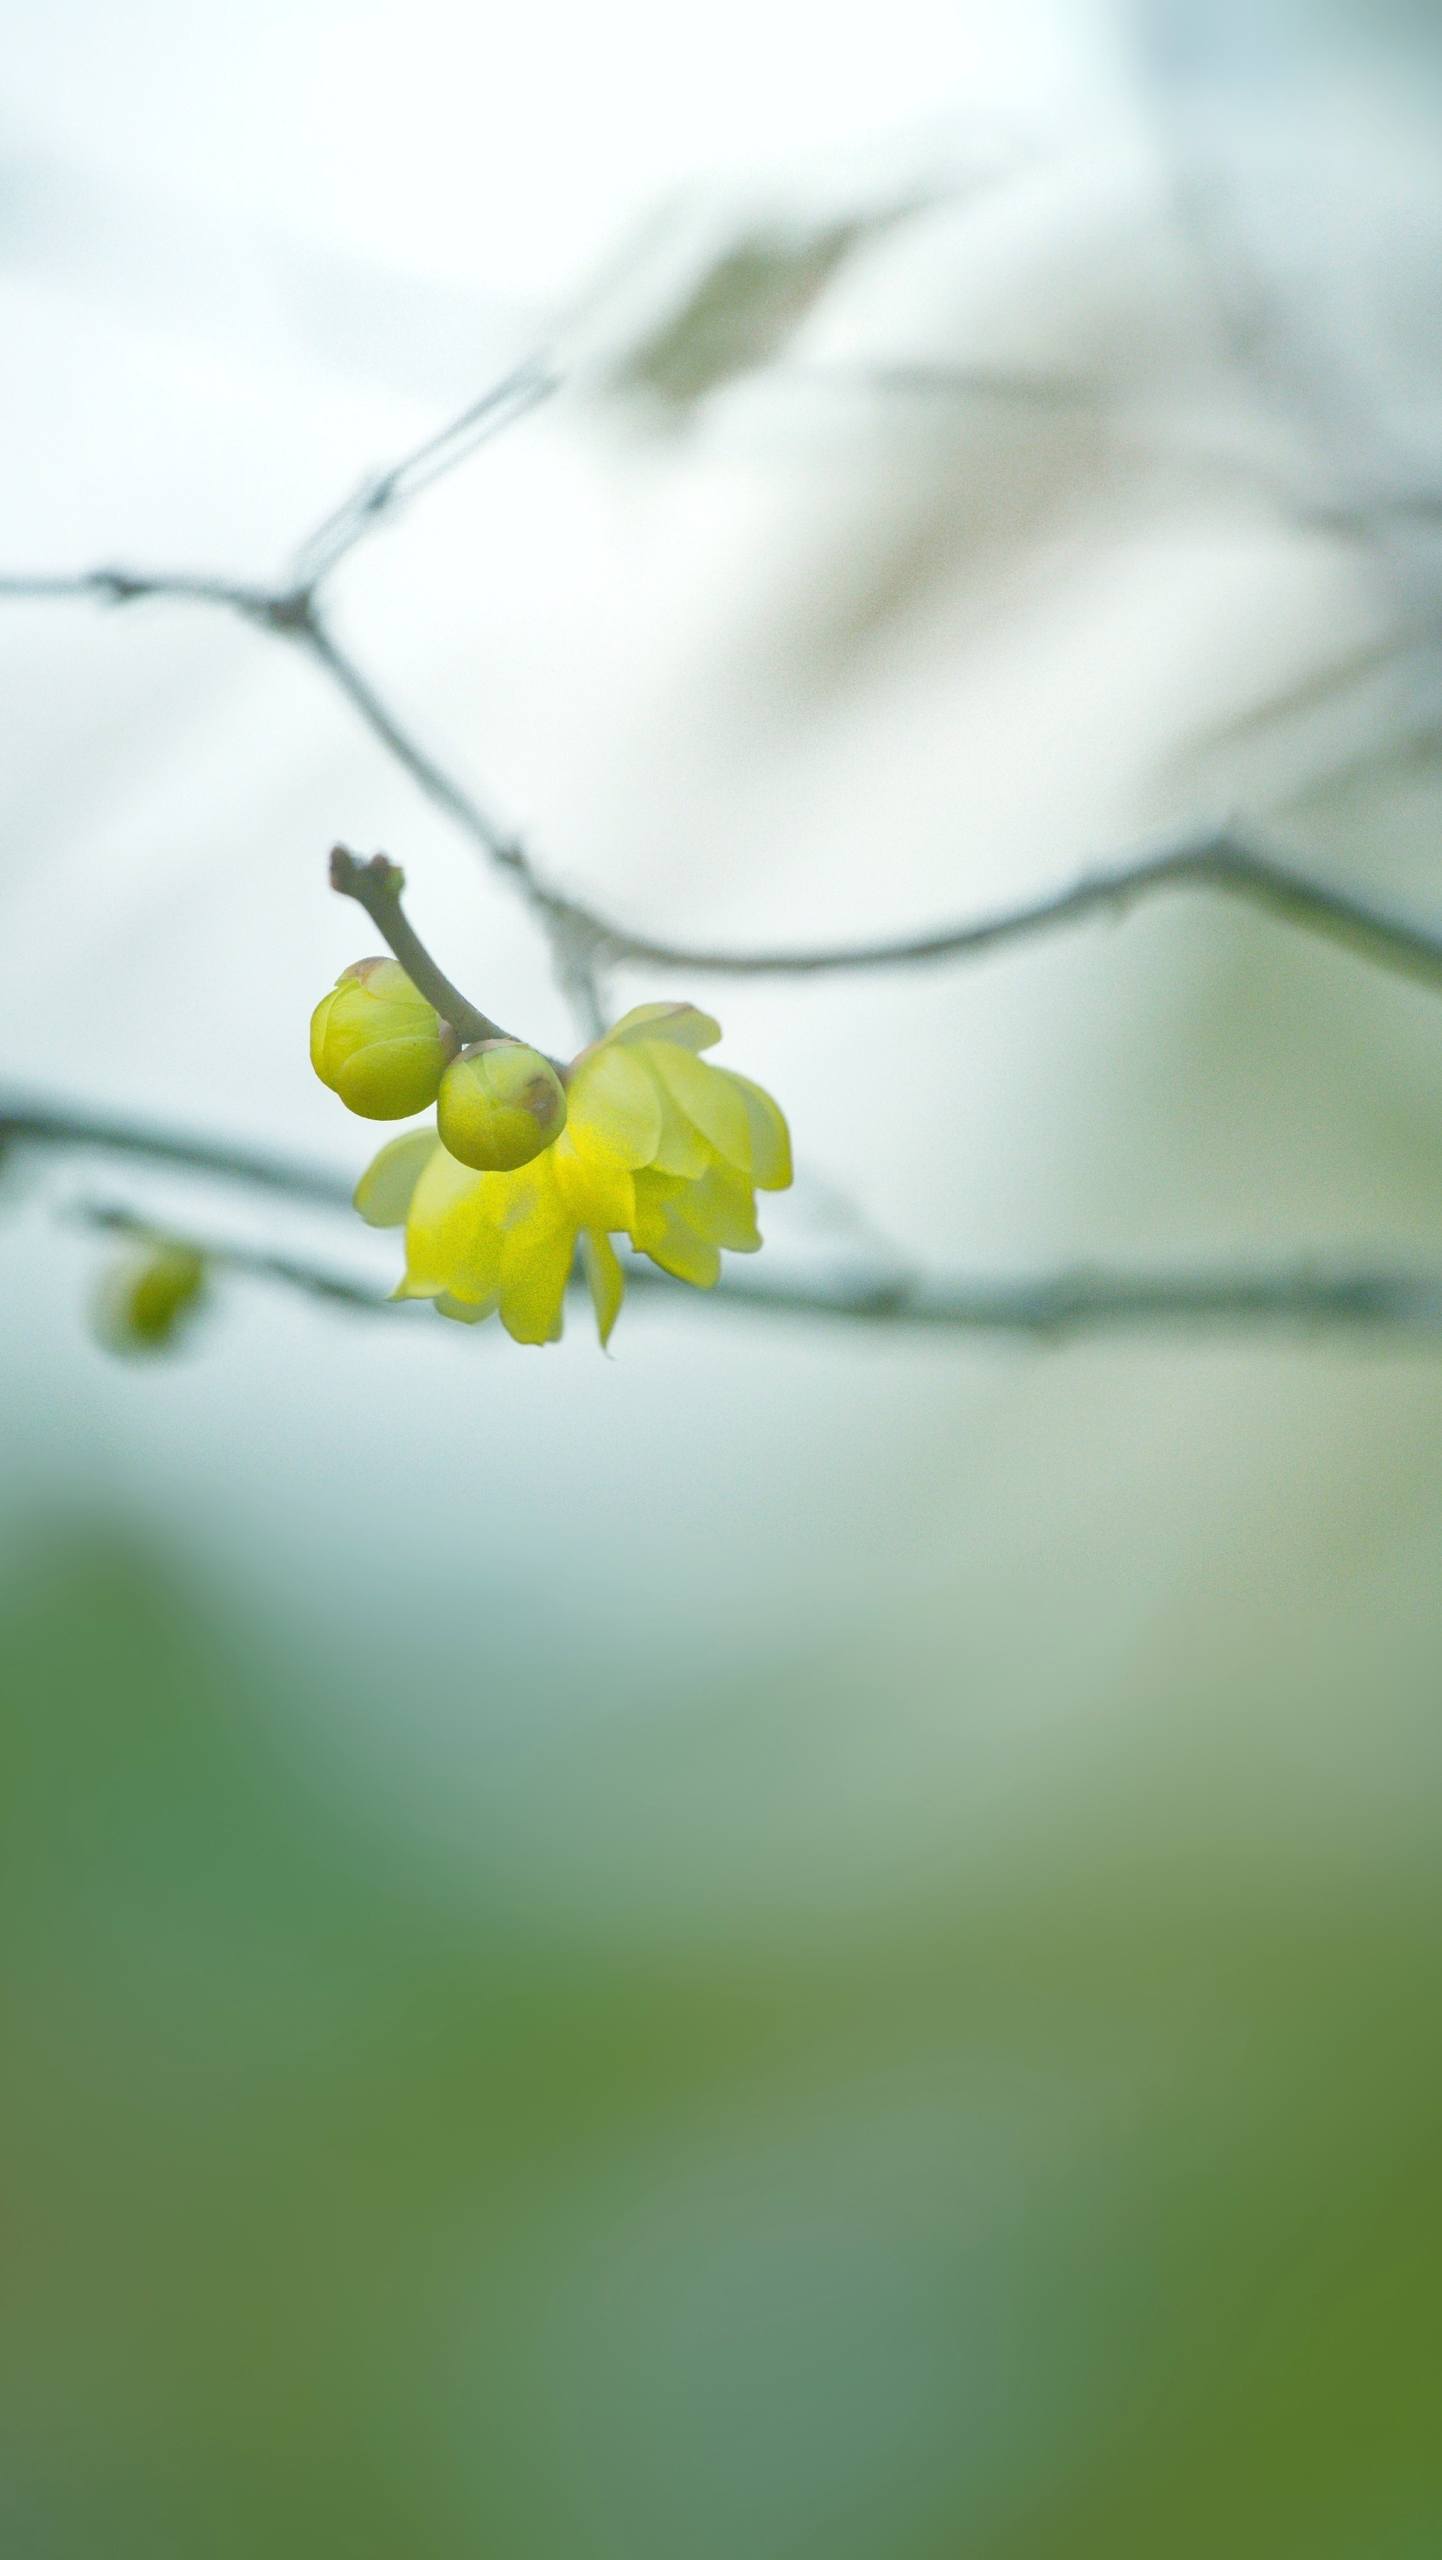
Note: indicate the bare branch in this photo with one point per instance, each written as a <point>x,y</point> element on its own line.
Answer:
<point>468,813</point>
<point>280,610</point>
<point>32,1121</point>
<point>1054,1306</point>
<point>313,1278</point>
<point>1308,1299</point>
<point>585,939</point>
<point>521,389</point>
<point>578,933</point>
<point>1315,1296</point>
<point>1217,859</point>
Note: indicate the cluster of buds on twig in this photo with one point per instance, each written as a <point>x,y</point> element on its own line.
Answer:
<point>531,1163</point>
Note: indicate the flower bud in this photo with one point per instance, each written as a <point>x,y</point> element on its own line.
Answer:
<point>146,1302</point>
<point>378,1044</point>
<point>500,1104</point>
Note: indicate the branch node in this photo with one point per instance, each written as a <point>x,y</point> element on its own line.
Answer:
<point>292,614</point>
<point>118,586</point>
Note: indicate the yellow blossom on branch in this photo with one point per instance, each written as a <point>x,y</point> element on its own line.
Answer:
<point>660,1146</point>
<point>536,1164</point>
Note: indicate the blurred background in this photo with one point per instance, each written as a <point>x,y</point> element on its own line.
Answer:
<point>811,1939</point>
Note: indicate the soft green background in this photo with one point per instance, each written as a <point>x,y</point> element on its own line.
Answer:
<point>792,2127</point>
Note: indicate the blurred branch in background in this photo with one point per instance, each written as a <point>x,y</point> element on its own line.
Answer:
<point>1306,1297</point>
<point>27,1122</point>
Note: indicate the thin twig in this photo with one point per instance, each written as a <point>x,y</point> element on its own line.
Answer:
<point>279,609</point>
<point>469,813</point>
<point>1216,859</point>
<point>32,1121</point>
<point>1306,1299</point>
<point>1312,1295</point>
<point>578,933</point>
<point>519,390</point>
<point>113,1218</point>
<point>1054,1306</point>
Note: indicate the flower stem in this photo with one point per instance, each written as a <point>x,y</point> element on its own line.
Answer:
<point>376,885</point>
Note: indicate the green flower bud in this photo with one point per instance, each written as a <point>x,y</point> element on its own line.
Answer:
<point>500,1104</point>
<point>148,1300</point>
<point>378,1044</point>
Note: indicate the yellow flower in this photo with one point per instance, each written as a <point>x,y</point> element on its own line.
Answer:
<point>377,1043</point>
<point>659,1146</point>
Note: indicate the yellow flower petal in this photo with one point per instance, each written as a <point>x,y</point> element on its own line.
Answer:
<point>661,1232</point>
<point>453,1233</point>
<point>679,1022</point>
<point>536,1268</point>
<point>606,1278</point>
<point>529,1196</point>
<point>709,1099</point>
<point>614,1102</point>
<point>770,1137</point>
<point>383,1193</point>
<point>461,1311</point>
<point>722,1209</point>
<point>597,1190</point>
<point>682,1149</point>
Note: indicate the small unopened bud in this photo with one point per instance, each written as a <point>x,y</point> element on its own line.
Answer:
<point>378,1044</point>
<point>149,1299</point>
<point>500,1104</point>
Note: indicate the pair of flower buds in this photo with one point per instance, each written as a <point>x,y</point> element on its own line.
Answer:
<point>378,1044</point>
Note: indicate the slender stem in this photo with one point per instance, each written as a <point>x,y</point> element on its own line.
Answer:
<point>462,807</point>
<point>128,586</point>
<point>376,885</point>
<point>1055,1306</point>
<point>521,388</point>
